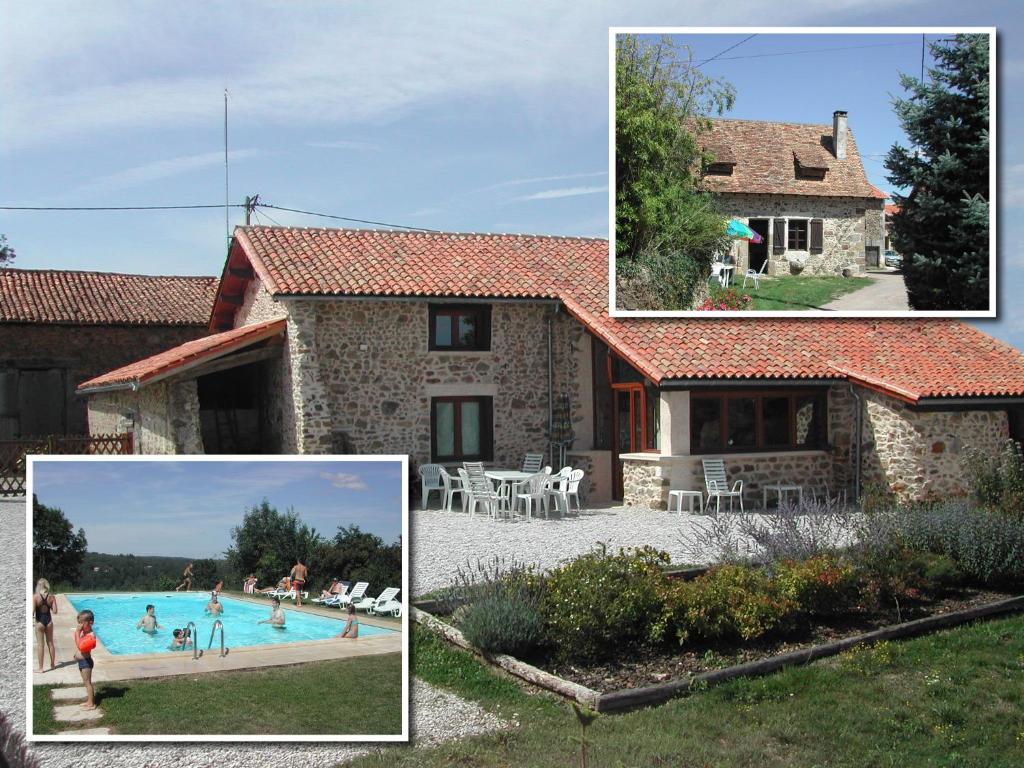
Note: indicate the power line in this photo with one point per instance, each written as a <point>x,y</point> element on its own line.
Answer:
<point>112,207</point>
<point>741,42</point>
<point>346,218</point>
<point>811,50</point>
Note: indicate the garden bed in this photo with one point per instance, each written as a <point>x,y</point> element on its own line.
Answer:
<point>649,677</point>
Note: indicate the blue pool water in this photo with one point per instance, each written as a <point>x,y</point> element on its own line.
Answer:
<point>117,615</point>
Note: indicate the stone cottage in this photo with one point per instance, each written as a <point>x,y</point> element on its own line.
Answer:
<point>60,328</point>
<point>802,187</point>
<point>455,347</point>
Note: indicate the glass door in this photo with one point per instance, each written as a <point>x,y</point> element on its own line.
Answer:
<point>629,437</point>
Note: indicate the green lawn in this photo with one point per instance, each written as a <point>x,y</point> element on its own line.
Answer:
<point>794,293</point>
<point>951,699</point>
<point>348,696</point>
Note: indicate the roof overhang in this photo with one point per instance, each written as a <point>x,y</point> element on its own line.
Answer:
<point>720,383</point>
<point>198,357</point>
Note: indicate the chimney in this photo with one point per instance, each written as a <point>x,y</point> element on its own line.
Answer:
<point>839,134</point>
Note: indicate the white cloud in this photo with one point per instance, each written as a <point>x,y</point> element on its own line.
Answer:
<point>539,179</point>
<point>552,194</point>
<point>162,169</point>
<point>345,480</point>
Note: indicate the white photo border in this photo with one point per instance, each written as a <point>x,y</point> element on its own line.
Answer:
<point>991,312</point>
<point>403,737</point>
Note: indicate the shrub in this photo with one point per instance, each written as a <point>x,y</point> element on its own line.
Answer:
<point>821,586</point>
<point>997,483</point>
<point>500,623</point>
<point>725,299</point>
<point>733,601</point>
<point>598,602</point>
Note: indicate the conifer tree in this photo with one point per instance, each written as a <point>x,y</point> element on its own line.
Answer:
<point>942,227</point>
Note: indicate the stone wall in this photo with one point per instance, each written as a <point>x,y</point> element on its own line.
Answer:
<point>164,417</point>
<point>362,376</point>
<point>258,305</point>
<point>849,224</point>
<point>919,454</point>
<point>85,351</point>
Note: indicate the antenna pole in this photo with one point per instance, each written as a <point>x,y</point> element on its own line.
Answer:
<point>227,222</point>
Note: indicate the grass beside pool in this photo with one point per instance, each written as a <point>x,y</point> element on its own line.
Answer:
<point>955,698</point>
<point>360,696</point>
<point>795,293</point>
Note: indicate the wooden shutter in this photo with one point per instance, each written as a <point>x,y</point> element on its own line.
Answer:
<point>817,236</point>
<point>779,235</point>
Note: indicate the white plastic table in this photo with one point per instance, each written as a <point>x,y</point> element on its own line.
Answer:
<point>727,270</point>
<point>675,500</point>
<point>783,490</point>
<point>504,477</point>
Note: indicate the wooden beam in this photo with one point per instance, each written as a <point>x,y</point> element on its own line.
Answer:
<point>232,361</point>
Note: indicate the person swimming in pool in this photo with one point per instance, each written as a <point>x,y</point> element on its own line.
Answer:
<point>276,615</point>
<point>182,639</point>
<point>215,607</point>
<point>44,608</point>
<point>148,623</point>
<point>351,630</point>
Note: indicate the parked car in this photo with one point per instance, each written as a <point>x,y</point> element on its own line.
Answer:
<point>893,259</point>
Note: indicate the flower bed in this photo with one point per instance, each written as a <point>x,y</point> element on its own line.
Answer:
<point>605,622</point>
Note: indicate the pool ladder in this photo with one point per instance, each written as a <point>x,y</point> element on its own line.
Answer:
<point>191,628</point>
<point>218,624</point>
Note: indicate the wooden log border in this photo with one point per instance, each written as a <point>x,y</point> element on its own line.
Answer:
<point>632,698</point>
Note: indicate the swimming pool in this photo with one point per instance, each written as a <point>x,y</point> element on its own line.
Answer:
<point>117,614</point>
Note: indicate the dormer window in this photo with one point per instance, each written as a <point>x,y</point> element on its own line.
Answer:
<point>810,162</point>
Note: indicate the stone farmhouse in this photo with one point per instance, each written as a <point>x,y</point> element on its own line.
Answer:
<point>60,328</point>
<point>453,347</point>
<point>802,188</point>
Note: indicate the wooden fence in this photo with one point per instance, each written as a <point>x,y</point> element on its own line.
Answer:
<point>13,453</point>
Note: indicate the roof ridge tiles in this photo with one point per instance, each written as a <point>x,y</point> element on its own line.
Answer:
<point>431,233</point>
<point>54,271</point>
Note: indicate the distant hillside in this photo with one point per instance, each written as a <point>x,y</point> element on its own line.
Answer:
<point>144,573</point>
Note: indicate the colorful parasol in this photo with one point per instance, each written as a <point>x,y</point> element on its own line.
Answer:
<point>738,229</point>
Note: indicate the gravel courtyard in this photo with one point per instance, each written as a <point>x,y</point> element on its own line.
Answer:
<point>443,541</point>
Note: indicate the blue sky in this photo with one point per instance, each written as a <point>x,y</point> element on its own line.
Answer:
<point>188,508</point>
<point>448,115</point>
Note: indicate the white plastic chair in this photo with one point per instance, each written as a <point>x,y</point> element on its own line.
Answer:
<point>357,593</point>
<point>479,491</point>
<point>755,275</point>
<point>369,604</point>
<point>534,488</point>
<point>452,486</point>
<point>532,462</point>
<point>430,480</point>
<point>567,488</point>
<point>718,485</point>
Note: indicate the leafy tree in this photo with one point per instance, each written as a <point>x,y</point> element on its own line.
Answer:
<point>942,226</point>
<point>6,252</point>
<point>356,555</point>
<point>205,574</point>
<point>667,226</point>
<point>57,551</point>
<point>268,542</point>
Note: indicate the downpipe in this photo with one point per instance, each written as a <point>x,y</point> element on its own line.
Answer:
<point>858,437</point>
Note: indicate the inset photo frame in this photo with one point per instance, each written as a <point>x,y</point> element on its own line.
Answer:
<point>800,172</point>
<point>217,598</point>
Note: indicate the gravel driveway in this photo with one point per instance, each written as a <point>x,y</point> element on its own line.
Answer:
<point>437,716</point>
<point>443,541</point>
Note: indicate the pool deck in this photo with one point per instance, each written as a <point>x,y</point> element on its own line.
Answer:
<point>135,666</point>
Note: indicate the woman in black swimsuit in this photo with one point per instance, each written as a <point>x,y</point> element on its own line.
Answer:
<point>44,607</point>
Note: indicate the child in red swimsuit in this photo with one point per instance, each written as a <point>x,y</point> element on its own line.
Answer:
<point>85,641</point>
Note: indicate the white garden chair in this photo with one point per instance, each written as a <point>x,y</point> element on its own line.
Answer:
<point>357,593</point>
<point>535,488</point>
<point>718,485</point>
<point>755,275</point>
<point>452,486</point>
<point>533,462</point>
<point>373,604</point>
<point>479,491</point>
<point>566,488</point>
<point>717,273</point>
<point>430,480</point>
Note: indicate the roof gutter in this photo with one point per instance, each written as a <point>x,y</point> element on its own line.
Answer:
<point>132,385</point>
<point>981,402</point>
<point>416,298</point>
<point>745,382</point>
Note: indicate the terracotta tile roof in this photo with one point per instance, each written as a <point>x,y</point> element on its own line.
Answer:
<point>184,356</point>
<point>910,358</point>
<point>764,153</point>
<point>891,209</point>
<point>103,298</point>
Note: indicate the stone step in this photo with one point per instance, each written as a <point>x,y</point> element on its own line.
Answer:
<point>66,694</point>
<point>72,713</point>
<point>85,732</point>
